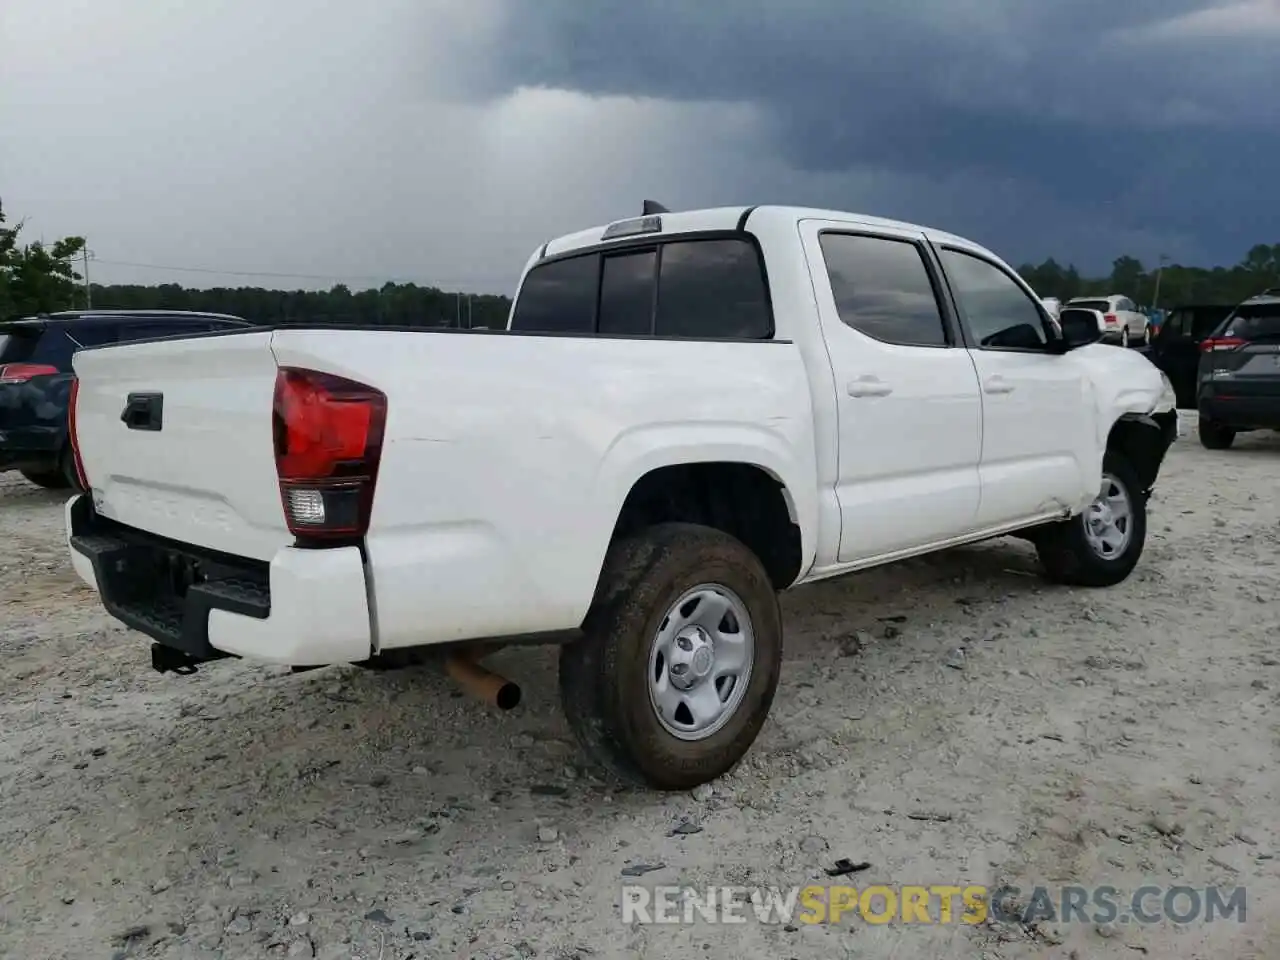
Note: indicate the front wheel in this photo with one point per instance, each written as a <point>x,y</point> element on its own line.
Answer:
<point>1101,546</point>
<point>680,657</point>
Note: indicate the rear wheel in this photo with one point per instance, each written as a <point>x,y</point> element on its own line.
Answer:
<point>680,658</point>
<point>1215,436</point>
<point>1101,546</point>
<point>1146,335</point>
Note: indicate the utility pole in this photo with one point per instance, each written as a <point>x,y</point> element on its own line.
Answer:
<point>88,292</point>
<point>1155,297</point>
<point>469,323</point>
<point>457,309</point>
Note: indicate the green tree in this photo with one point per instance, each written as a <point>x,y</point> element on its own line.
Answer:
<point>35,278</point>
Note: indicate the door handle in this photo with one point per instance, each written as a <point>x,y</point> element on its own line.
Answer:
<point>868,387</point>
<point>997,384</point>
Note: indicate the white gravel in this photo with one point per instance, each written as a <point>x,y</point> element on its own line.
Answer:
<point>1120,737</point>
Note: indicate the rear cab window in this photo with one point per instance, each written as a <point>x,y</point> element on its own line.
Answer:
<point>1254,322</point>
<point>709,288</point>
<point>1102,306</point>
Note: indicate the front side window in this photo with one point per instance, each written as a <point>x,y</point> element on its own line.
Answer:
<point>999,313</point>
<point>559,297</point>
<point>882,288</point>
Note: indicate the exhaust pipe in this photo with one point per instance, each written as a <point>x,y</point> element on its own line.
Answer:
<point>484,685</point>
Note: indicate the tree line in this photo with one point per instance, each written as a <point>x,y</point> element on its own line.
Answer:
<point>1165,286</point>
<point>40,278</point>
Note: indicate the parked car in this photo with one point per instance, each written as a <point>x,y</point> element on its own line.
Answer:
<point>1175,348</point>
<point>688,413</point>
<point>1239,373</point>
<point>1125,322</point>
<point>36,375</point>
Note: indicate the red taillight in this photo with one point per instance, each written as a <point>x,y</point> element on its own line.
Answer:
<point>328,441</point>
<point>1221,343</point>
<point>72,436</point>
<point>1110,318</point>
<point>22,372</point>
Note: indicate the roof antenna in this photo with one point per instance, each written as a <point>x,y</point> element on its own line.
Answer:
<point>652,207</point>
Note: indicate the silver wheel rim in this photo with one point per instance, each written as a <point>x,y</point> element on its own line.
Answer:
<point>700,662</point>
<point>1146,335</point>
<point>1108,521</point>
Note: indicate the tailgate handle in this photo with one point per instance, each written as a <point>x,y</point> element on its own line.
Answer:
<point>144,411</point>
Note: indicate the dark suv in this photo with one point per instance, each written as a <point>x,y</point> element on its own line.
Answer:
<point>1238,380</point>
<point>1176,348</point>
<point>36,375</point>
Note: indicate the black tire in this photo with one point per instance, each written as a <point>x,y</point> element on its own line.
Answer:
<point>1214,436</point>
<point>1124,336</point>
<point>604,683</point>
<point>1065,551</point>
<point>49,479</point>
<point>67,464</point>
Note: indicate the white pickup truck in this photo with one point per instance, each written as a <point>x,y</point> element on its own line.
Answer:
<point>688,413</point>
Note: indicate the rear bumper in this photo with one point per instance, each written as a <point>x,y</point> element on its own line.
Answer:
<point>28,449</point>
<point>304,608</point>
<point>1242,413</point>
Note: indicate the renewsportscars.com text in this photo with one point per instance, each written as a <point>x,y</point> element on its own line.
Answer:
<point>933,904</point>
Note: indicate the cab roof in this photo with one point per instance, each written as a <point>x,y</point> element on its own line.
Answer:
<point>736,218</point>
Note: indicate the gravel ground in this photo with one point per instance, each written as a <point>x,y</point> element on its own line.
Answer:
<point>1120,737</point>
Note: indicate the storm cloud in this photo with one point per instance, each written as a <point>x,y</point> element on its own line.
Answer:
<point>1147,116</point>
<point>443,140</point>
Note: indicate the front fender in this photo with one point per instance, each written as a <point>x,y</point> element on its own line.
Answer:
<point>1126,388</point>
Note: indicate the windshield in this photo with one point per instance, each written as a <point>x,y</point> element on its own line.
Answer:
<point>1258,321</point>
<point>1102,305</point>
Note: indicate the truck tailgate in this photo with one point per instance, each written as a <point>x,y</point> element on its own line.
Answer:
<point>175,437</point>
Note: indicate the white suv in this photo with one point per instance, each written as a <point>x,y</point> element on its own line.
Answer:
<point>1122,321</point>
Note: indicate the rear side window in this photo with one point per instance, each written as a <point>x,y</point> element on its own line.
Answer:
<point>559,297</point>
<point>704,289</point>
<point>713,289</point>
<point>882,288</point>
<point>1204,322</point>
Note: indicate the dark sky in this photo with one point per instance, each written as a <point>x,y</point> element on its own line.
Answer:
<point>444,140</point>
<point>1155,117</point>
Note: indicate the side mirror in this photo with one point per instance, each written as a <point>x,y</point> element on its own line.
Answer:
<point>1078,327</point>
